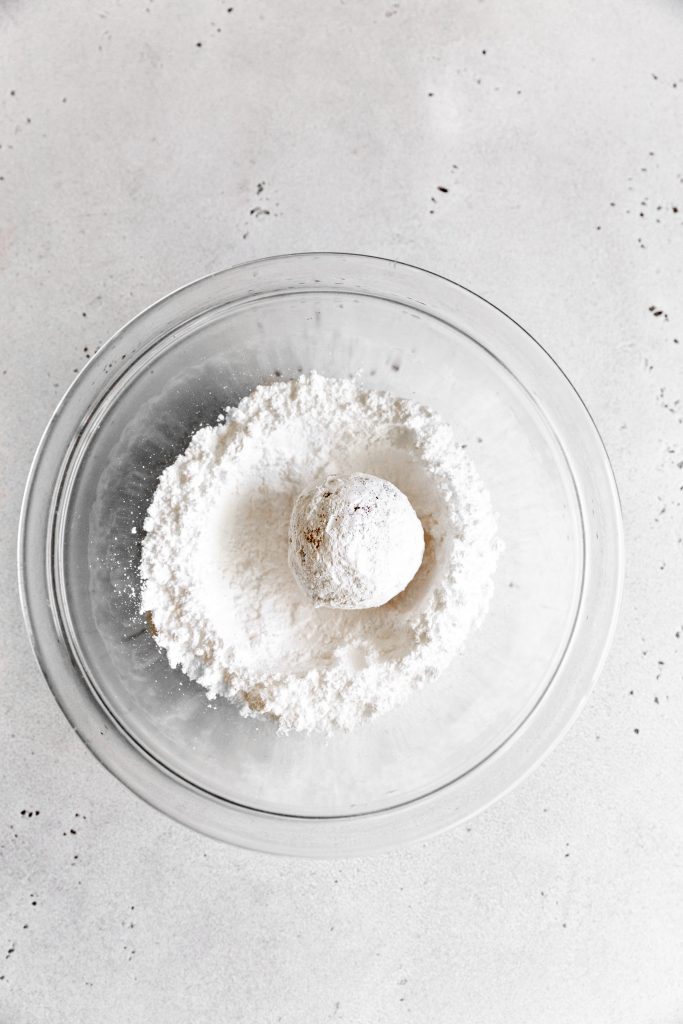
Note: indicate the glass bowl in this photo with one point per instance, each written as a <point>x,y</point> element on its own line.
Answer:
<point>461,742</point>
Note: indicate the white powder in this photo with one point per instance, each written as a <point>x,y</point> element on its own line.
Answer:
<point>216,579</point>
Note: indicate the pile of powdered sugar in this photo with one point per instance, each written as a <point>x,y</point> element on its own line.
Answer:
<point>215,575</point>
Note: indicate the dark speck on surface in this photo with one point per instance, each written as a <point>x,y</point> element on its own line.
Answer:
<point>442,188</point>
<point>636,731</point>
<point>198,44</point>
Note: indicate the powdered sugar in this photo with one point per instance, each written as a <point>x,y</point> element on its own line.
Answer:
<point>215,571</point>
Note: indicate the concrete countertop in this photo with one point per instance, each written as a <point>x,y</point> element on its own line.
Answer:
<point>147,143</point>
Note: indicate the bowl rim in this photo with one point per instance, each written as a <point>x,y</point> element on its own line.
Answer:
<point>544,726</point>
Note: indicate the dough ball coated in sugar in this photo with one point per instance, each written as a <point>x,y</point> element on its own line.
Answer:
<point>354,542</point>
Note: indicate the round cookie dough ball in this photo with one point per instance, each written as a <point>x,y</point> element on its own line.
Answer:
<point>354,542</point>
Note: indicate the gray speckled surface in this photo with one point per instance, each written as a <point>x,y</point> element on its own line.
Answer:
<point>133,159</point>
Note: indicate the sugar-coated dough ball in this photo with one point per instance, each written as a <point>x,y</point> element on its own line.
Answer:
<point>354,542</point>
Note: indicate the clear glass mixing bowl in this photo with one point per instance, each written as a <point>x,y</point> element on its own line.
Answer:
<point>457,745</point>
